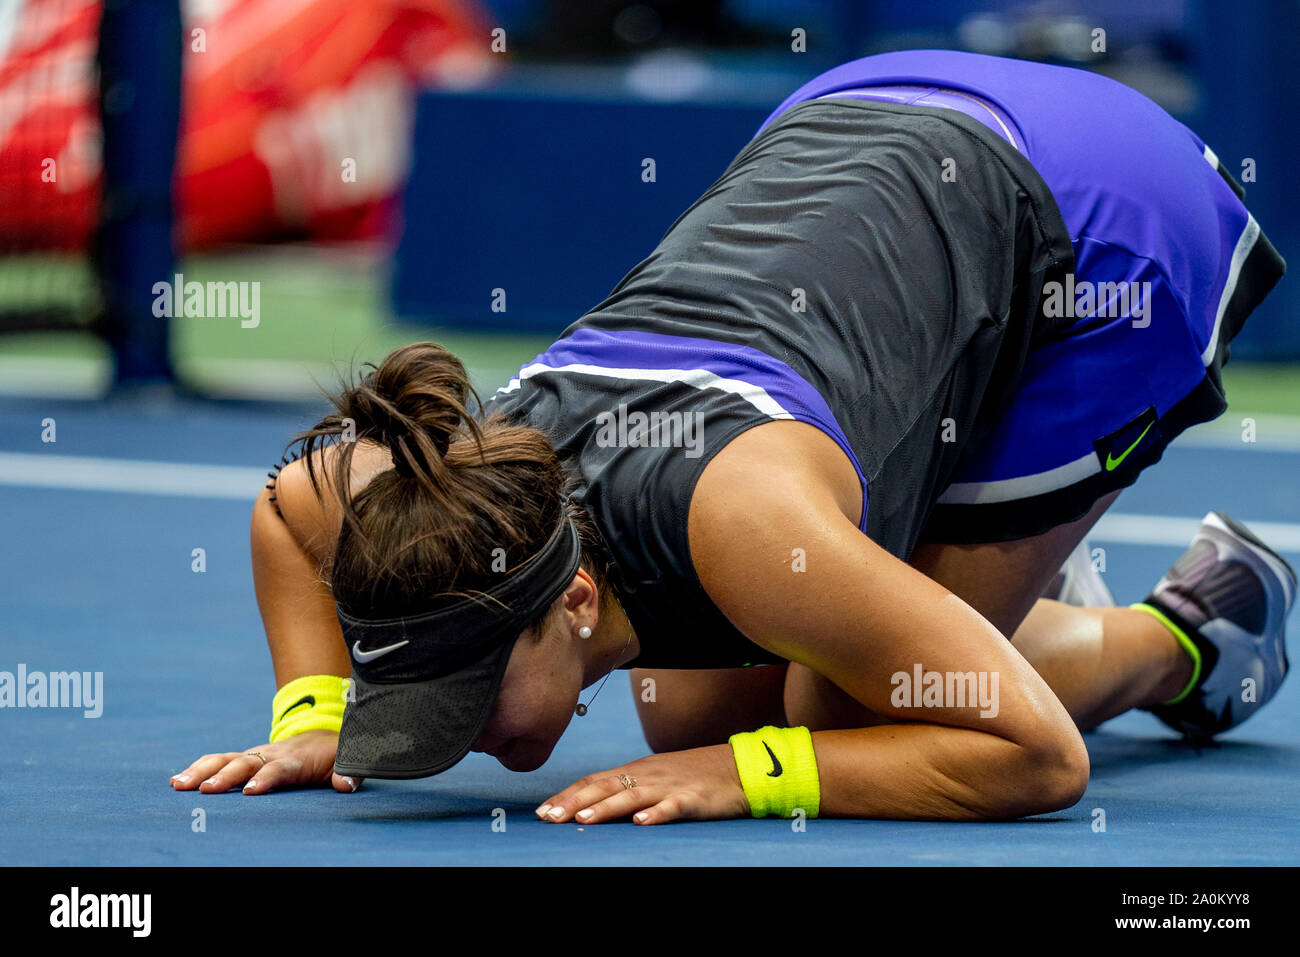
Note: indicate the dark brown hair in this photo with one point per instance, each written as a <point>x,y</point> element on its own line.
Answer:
<point>461,490</point>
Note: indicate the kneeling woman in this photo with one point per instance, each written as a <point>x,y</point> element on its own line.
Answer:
<point>812,467</point>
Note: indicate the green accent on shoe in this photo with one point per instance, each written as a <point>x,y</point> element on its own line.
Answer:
<point>1189,646</point>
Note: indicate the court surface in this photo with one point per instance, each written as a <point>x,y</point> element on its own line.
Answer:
<point>99,579</point>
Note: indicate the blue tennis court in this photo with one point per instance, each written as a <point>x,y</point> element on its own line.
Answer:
<point>99,579</point>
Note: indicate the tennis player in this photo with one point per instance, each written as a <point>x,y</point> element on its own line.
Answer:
<point>814,472</point>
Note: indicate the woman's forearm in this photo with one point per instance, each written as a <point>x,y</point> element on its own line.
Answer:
<point>936,772</point>
<point>302,630</point>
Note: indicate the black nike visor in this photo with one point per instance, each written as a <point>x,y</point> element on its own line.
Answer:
<point>424,686</point>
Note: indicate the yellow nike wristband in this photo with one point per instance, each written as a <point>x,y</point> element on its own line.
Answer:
<point>778,771</point>
<point>310,703</point>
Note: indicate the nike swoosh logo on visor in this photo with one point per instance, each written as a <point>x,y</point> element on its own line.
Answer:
<point>364,656</point>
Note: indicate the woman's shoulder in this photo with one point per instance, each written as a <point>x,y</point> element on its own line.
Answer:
<point>303,493</point>
<point>769,470</point>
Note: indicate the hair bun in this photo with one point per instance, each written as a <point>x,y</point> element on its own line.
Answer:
<point>413,402</point>
<point>427,529</point>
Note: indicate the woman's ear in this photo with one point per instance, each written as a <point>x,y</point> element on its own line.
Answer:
<point>581,598</point>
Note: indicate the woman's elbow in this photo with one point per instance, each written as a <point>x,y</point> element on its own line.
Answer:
<point>1053,771</point>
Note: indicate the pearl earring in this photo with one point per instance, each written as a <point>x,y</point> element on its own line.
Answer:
<point>584,632</point>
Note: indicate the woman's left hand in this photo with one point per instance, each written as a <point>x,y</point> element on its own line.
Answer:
<point>696,785</point>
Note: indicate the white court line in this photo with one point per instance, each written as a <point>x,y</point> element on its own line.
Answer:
<point>86,378</point>
<point>1273,433</point>
<point>1168,530</point>
<point>274,379</point>
<point>237,483</point>
<point>87,474</point>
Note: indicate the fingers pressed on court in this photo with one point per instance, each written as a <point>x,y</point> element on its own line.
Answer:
<point>582,794</point>
<point>627,801</point>
<point>345,784</point>
<point>202,769</point>
<point>558,800</point>
<point>234,774</point>
<point>273,775</point>
<point>678,806</point>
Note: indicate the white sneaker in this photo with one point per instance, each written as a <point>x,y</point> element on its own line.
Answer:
<point>1079,583</point>
<point>1230,594</point>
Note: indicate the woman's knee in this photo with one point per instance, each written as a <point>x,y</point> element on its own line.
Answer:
<point>681,709</point>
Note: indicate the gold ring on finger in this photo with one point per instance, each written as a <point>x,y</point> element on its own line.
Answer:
<point>629,782</point>
<point>257,754</point>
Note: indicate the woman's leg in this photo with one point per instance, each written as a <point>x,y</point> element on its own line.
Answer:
<point>681,709</point>
<point>1003,580</point>
<point>1100,662</point>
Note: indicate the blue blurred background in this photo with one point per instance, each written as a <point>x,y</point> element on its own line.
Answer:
<point>547,203</point>
<point>499,147</point>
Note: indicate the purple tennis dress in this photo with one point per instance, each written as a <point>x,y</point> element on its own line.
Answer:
<point>1152,215</point>
<point>1000,287</point>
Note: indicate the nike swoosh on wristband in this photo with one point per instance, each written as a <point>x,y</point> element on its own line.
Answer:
<point>1112,463</point>
<point>364,656</point>
<point>306,699</point>
<point>776,765</point>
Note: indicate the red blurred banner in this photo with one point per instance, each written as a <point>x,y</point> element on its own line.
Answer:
<point>295,114</point>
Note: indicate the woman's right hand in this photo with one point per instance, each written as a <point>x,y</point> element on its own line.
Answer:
<point>304,761</point>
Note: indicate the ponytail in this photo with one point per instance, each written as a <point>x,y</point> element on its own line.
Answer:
<point>464,501</point>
